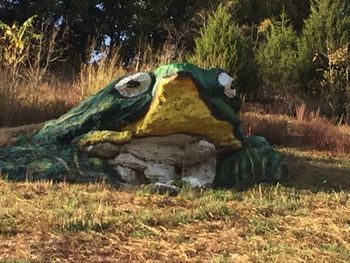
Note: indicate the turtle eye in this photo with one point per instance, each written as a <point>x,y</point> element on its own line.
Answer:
<point>226,81</point>
<point>134,85</point>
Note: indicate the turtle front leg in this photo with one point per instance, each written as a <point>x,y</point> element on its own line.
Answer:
<point>258,162</point>
<point>53,162</point>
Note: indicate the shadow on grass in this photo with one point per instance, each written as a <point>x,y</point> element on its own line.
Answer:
<point>317,171</point>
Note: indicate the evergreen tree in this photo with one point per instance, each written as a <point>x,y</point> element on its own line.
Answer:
<point>253,12</point>
<point>221,43</point>
<point>277,58</point>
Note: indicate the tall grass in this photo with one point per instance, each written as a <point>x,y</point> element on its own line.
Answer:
<point>24,101</point>
<point>307,129</point>
<point>148,58</point>
<point>97,73</point>
<point>28,91</point>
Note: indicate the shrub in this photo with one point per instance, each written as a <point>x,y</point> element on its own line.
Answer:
<point>335,86</point>
<point>327,27</point>
<point>325,36</point>
<point>221,43</point>
<point>15,41</point>
<point>277,58</point>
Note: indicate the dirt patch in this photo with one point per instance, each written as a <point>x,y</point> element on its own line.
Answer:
<point>8,136</point>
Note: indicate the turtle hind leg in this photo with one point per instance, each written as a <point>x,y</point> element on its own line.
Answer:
<point>256,163</point>
<point>274,168</point>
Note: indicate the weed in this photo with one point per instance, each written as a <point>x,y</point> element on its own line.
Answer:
<point>276,197</point>
<point>176,218</point>
<point>96,75</point>
<point>141,233</point>
<point>341,250</point>
<point>182,238</point>
<point>8,225</point>
<point>262,225</point>
<point>221,259</point>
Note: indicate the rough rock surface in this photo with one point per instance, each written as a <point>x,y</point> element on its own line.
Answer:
<point>202,174</point>
<point>162,159</point>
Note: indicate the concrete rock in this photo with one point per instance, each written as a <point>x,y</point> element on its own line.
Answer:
<point>173,149</point>
<point>156,158</point>
<point>201,175</point>
<point>104,150</point>
<point>161,173</point>
<point>130,161</point>
<point>130,176</point>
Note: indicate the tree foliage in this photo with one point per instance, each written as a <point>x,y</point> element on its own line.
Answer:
<point>255,11</point>
<point>324,54</point>
<point>122,22</point>
<point>15,41</point>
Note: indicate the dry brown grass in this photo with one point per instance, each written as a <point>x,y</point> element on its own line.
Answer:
<point>148,58</point>
<point>21,104</point>
<point>95,76</point>
<point>24,101</point>
<point>307,129</point>
<point>45,222</point>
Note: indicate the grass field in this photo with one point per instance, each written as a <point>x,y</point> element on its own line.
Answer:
<point>306,221</point>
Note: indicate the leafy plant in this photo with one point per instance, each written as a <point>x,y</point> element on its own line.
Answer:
<point>15,42</point>
<point>325,36</point>
<point>335,85</point>
<point>326,28</point>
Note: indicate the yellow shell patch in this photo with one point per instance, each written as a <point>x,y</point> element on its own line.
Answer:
<point>96,137</point>
<point>177,109</point>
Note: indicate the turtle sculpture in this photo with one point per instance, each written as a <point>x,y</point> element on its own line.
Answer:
<point>178,123</point>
